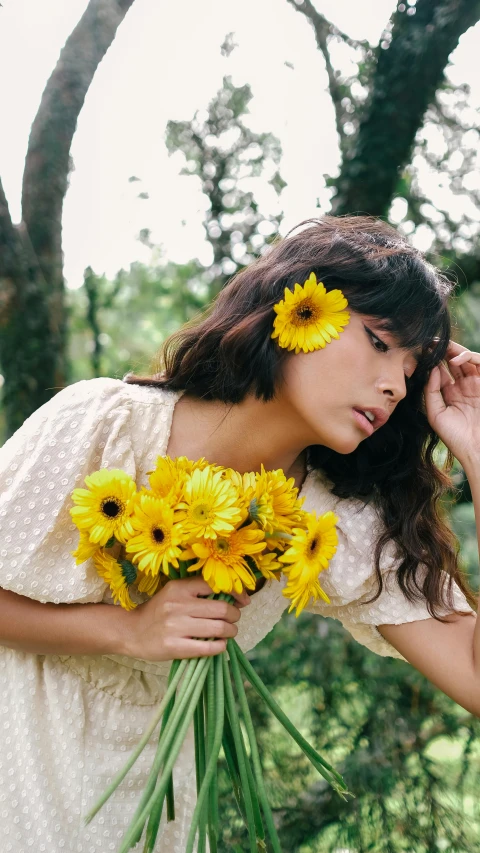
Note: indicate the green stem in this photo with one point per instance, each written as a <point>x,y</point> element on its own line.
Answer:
<point>232,767</point>
<point>322,766</point>
<point>165,733</point>
<point>213,757</point>
<point>253,821</point>
<point>199,736</point>
<point>279,535</point>
<point>140,746</point>
<point>257,768</point>
<point>174,749</point>
<point>212,808</point>
<point>156,813</point>
<point>166,716</point>
<point>188,686</point>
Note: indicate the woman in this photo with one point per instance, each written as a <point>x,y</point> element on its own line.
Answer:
<point>79,680</point>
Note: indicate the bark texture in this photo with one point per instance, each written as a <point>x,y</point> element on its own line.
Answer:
<point>31,269</point>
<point>407,75</point>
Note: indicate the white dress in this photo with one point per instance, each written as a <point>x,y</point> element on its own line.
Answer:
<point>68,722</point>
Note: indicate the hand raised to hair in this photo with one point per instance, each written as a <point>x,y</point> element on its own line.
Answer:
<point>453,407</point>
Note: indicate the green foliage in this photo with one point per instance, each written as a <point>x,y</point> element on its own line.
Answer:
<point>409,754</point>
<point>228,158</point>
<point>135,313</point>
<point>117,326</point>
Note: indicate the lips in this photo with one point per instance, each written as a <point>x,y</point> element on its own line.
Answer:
<point>380,415</point>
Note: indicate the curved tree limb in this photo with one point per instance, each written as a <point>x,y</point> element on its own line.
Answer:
<point>407,76</point>
<point>33,253</point>
<point>323,29</point>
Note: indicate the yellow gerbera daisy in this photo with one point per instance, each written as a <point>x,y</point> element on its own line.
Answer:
<point>269,565</point>
<point>156,539</point>
<point>147,583</point>
<point>245,485</point>
<point>309,553</point>
<point>169,475</point>
<point>309,317</point>
<point>222,560</point>
<point>210,506</point>
<point>85,548</point>
<point>118,575</point>
<point>275,504</point>
<point>105,507</point>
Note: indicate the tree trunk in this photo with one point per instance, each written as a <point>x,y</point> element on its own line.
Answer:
<point>406,78</point>
<point>25,351</point>
<point>32,273</point>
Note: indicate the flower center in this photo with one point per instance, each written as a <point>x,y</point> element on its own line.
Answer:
<point>304,313</point>
<point>158,534</point>
<point>111,507</point>
<point>222,546</point>
<point>313,545</point>
<point>201,512</point>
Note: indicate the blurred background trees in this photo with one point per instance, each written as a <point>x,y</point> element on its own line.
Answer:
<point>409,753</point>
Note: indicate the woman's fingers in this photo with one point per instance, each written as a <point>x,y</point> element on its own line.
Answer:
<point>194,627</point>
<point>187,588</point>
<point>242,598</point>
<point>211,609</point>
<point>186,648</point>
<point>194,587</point>
<point>466,363</point>
<point>434,401</point>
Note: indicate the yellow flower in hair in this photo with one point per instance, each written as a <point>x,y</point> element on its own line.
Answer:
<point>309,317</point>
<point>309,553</point>
<point>105,507</point>
<point>118,575</point>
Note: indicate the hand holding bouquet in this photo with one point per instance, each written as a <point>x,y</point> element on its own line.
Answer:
<point>233,529</point>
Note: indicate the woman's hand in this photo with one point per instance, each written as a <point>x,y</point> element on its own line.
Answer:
<point>167,626</point>
<point>453,407</point>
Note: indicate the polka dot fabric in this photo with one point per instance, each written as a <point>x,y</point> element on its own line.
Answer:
<point>350,579</point>
<point>68,722</point>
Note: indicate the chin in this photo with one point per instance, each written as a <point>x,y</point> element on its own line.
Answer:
<point>341,445</point>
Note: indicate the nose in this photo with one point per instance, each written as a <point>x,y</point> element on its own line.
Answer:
<point>393,385</point>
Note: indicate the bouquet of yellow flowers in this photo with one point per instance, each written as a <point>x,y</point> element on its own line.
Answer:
<point>233,529</point>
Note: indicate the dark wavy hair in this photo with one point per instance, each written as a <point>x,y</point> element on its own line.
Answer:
<point>227,353</point>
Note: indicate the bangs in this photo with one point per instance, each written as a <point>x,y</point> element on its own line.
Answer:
<point>410,300</point>
<point>426,332</point>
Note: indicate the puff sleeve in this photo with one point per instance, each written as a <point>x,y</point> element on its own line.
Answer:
<point>86,426</point>
<point>350,579</point>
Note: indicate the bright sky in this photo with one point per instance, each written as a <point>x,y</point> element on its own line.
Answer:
<point>164,64</point>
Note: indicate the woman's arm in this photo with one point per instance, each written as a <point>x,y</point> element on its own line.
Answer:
<point>443,653</point>
<point>165,627</point>
<point>449,654</point>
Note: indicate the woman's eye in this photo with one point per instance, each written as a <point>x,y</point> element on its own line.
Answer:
<point>378,344</point>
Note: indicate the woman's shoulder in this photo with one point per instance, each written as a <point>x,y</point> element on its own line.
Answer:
<point>319,495</point>
<point>108,391</point>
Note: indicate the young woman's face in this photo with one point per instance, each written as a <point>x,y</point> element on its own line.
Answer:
<point>325,390</point>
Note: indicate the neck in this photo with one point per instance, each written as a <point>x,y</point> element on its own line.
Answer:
<point>240,436</point>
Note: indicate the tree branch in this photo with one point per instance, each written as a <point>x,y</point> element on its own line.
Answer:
<point>47,163</point>
<point>322,29</point>
<point>407,76</point>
